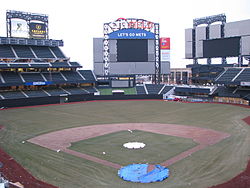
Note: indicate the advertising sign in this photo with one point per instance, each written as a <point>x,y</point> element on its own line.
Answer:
<point>165,43</point>
<point>37,30</point>
<point>165,55</point>
<point>130,23</point>
<point>131,34</point>
<point>38,83</point>
<point>19,28</point>
<point>245,83</point>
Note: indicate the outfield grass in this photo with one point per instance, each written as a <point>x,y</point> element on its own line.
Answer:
<point>158,147</point>
<point>212,165</point>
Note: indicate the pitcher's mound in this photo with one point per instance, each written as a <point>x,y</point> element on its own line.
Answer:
<point>134,145</point>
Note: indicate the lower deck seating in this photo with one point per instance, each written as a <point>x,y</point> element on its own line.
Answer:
<point>75,90</point>
<point>140,90</point>
<point>90,89</point>
<point>55,92</point>
<point>11,77</point>
<point>12,95</point>
<point>154,88</point>
<point>36,93</point>
<point>166,89</point>
<point>226,92</point>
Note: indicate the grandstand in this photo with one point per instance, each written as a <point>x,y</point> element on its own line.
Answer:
<point>40,69</point>
<point>35,68</point>
<point>37,71</point>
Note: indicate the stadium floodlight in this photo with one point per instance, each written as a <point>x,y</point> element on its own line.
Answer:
<point>209,20</point>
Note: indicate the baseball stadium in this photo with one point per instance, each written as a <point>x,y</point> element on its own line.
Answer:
<point>123,124</point>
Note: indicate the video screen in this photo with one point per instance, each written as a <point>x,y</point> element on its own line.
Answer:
<point>132,50</point>
<point>224,47</point>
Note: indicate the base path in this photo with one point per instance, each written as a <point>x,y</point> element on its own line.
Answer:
<point>61,140</point>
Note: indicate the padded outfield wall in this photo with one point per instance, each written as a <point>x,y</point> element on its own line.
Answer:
<point>34,101</point>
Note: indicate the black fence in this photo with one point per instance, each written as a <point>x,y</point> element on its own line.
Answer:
<point>8,103</point>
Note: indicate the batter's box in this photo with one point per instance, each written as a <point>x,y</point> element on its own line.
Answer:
<point>61,140</point>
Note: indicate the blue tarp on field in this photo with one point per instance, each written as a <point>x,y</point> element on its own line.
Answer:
<point>139,173</point>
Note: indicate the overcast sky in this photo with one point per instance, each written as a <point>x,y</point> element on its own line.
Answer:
<point>78,22</point>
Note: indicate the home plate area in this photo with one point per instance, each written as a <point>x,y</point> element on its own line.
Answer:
<point>171,143</point>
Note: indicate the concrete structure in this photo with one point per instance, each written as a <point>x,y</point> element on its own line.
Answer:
<point>179,76</point>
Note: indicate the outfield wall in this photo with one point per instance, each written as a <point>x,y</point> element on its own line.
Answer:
<point>8,103</point>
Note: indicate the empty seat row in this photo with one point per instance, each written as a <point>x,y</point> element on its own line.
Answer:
<point>166,89</point>
<point>57,77</point>
<point>244,76</point>
<point>154,89</point>
<point>46,92</point>
<point>228,75</point>
<point>31,52</point>
<point>87,74</point>
<point>140,90</point>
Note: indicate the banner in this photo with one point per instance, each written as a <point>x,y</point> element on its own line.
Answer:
<point>165,43</point>
<point>131,34</point>
<point>38,30</point>
<point>38,83</point>
<point>245,83</point>
<point>19,28</point>
<point>165,55</point>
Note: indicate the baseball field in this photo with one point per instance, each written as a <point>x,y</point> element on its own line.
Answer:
<point>80,144</point>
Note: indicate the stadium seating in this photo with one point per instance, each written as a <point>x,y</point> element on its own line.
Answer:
<point>55,92</point>
<point>23,51</point>
<point>75,90</point>
<point>36,93</point>
<point>87,74</point>
<point>166,89</point>
<point>71,75</point>
<point>19,65</point>
<point>228,75</point>
<point>140,90</point>
<point>60,65</point>
<point>58,53</point>
<point>6,52</point>
<point>192,90</point>
<point>42,52</point>
<point>39,65</point>
<point>223,91</point>
<point>11,77</point>
<point>32,52</point>
<point>90,89</point>
<point>244,76</point>
<point>154,89</point>
<point>53,76</point>
<point>12,95</point>
<point>32,77</point>
<point>75,65</point>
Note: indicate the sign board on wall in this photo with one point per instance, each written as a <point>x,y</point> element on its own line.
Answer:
<point>165,48</point>
<point>37,30</point>
<point>19,28</point>
<point>131,34</point>
<point>165,43</point>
